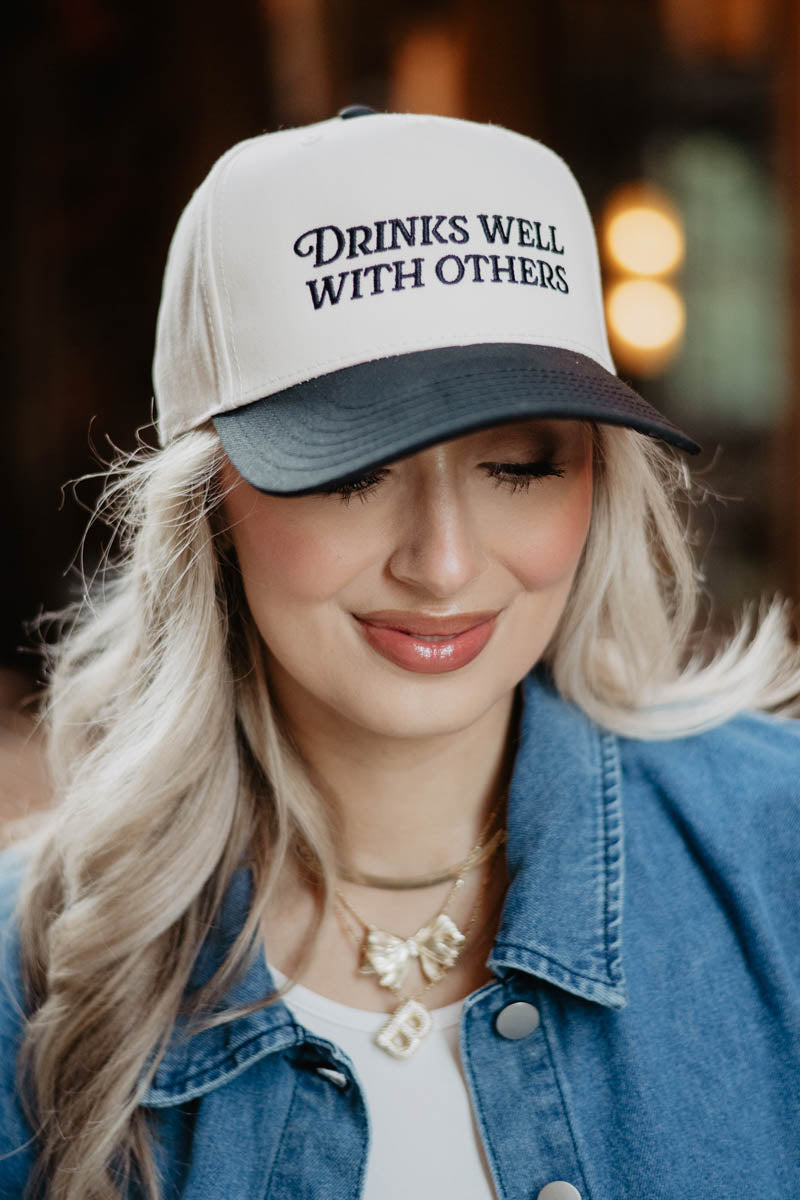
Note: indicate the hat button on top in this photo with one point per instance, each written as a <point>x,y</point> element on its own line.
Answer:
<point>355,110</point>
<point>559,1190</point>
<point>517,1021</point>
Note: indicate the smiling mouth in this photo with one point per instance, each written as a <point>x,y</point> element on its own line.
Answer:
<point>427,644</point>
<point>426,626</point>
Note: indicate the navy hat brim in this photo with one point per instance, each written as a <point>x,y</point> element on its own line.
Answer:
<point>341,424</point>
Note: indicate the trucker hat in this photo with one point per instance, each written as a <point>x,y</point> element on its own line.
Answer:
<point>342,294</point>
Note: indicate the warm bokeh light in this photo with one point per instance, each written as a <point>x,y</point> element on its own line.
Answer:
<point>642,232</point>
<point>645,241</point>
<point>646,320</point>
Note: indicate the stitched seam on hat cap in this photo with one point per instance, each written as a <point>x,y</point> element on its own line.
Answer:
<point>214,182</point>
<point>231,337</point>
<point>209,321</point>
<point>204,258</point>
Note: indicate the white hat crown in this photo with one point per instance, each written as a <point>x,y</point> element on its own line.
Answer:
<point>314,249</point>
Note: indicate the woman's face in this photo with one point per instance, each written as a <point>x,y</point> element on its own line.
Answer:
<point>410,601</point>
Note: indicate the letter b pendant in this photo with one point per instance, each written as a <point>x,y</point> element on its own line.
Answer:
<point>403,1033</point>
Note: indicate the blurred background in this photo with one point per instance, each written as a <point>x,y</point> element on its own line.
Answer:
<point>680,118</point>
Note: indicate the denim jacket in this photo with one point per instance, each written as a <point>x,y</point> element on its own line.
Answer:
<point>652,923</point>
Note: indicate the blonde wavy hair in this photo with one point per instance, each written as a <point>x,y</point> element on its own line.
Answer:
<point>171,768</point>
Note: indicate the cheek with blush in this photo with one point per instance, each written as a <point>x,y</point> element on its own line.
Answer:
<point>290,558</point>
<point>286,557</point>
<point>543,547</point>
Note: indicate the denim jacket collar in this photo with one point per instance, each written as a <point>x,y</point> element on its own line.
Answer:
<point>561,919</point>
<point>562,915</point>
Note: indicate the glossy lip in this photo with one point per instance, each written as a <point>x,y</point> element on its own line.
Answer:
<point>402,638</point>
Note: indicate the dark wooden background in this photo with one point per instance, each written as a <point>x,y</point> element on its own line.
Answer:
<point>115,111</point>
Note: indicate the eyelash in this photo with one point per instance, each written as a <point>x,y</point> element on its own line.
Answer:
<point>514,476</point>
<point>361,487</point>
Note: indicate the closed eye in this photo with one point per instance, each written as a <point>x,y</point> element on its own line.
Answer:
<point>358,485</point>
<point>516,476</point>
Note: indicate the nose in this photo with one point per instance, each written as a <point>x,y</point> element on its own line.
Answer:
<point>438,547</point>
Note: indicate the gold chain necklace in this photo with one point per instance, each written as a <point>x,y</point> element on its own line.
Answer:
<point>417,882</point>
<point>436,946</point>
<point>481,852</point>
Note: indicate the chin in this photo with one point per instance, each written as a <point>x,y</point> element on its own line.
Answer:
<point>427,706</point>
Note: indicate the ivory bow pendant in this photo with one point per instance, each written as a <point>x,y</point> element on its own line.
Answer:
<point>437,946</point>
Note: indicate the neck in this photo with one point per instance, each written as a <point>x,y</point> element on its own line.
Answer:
<point>407,806</point>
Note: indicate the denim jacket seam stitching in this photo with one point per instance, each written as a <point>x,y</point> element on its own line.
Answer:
<point>599,859</point>
<point>487,1141</point>
<point>221,1063</point>
<point>613,835</point>
<point>279,1142</point>
<point>365,1144</point>
<point>582,975</point>
<point>565,1110</point>
<point>344,1060</point>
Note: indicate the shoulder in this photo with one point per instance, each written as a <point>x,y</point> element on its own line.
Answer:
<point>13,862</point>
<point>15,1132</point>
<point>752,755</point>
<point>731,794</point>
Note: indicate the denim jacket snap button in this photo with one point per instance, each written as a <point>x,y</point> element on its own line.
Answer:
<point>517,1021</point>
<point>558,1190</point>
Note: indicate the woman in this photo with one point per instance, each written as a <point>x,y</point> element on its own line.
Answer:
<point>391,693</point>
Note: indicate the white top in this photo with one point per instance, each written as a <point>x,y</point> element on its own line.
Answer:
<point>423,1138</point>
